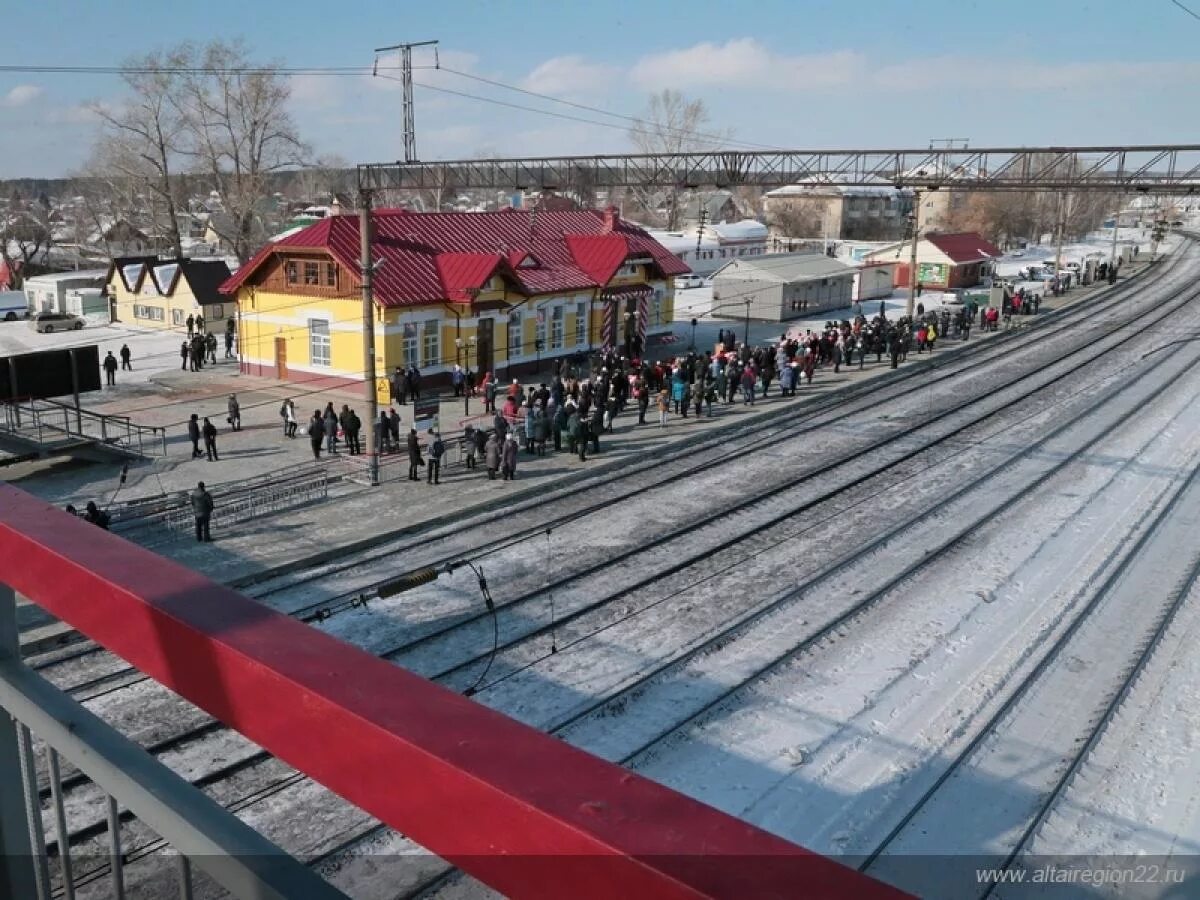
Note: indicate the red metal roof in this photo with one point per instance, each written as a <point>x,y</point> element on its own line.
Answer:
<point>573,250</point>
<point>965,247</point>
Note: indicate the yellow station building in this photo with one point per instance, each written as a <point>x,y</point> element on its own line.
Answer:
<point>495,292</point>
<point>162,293</point>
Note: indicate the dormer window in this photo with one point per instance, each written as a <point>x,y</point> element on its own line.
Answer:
<point>291,272</point>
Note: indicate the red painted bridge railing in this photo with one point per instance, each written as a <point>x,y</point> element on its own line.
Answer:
<point>519,810</point>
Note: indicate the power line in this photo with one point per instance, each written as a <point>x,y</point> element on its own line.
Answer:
<point>533,109</point>
<point>196,70</point>
<point>1190,12</point>
<point>596,109</point>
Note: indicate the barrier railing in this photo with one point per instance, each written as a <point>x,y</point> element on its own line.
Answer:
<point>524,813</point>
<point>49,421</point>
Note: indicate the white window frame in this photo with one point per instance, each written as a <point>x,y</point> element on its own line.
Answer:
<point>178,318</point>
<point>516,334</point>
<point>410,342</point>
<point>656,301</point>
<point>581,323</point>
<point>431,343</point>
<point>558,327</point>
<point>539,327</point>
<point>318,341</point>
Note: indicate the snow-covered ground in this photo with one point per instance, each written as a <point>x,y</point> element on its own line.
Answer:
<point>152,351</point>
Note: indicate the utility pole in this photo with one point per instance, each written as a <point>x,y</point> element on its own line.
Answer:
<point>910,307</point>
<point>410,128</point>
<point>1112,255</point>
<point>368,323</point>
<point>700,228</point>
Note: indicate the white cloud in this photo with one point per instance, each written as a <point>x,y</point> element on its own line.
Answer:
<point>747,63</point>
<point>21,95</point>
<point>572,74</point>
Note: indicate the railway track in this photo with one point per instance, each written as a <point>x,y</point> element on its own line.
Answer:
<point>286,782</point>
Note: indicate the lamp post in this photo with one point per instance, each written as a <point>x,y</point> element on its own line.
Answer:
<point>458,347</point>
<point>748,301</point>
<point>470,346</point>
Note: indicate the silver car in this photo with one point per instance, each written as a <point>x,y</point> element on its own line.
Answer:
<point>46,322</point>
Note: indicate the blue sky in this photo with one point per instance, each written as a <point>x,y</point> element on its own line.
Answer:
<point>872,73</point>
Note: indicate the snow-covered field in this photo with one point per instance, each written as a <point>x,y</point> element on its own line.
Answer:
<point>892,632</point>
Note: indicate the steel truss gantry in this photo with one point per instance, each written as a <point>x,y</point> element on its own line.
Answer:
<point>1156,169</point>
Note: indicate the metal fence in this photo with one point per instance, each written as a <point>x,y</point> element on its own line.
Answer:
<point>49,422</point>
<point>250,503</point>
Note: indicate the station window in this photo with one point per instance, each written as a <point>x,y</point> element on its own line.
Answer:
<point>318,342</point>
<point>432,342</point>
<point>409,343</point>
<point>331,275</point>
<point>290,271</point>
<point>581,322</point>
<point>539,334</point>
<point>515,340</point>
<point>177,317</point>
<point>312,273</point>
<point>556,328</point>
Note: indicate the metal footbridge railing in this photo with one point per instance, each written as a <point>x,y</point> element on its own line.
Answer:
<point>523,812</point>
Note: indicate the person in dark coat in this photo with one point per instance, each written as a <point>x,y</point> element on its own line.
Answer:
<point>185,352</point>
<point>481,438</point>
<point>191,325</point>
<point>394,429</point>
<point>235,413</point>
<point>491,455</point>
<point>383,433</point>
<point>508,457</point>
<point>316,433</point>
<point>351,425</point>
<point>96,515</point>
<point>330,423</point>
<point>126,355</point>
<point>414,454</point>
<point>202,507</point>
<point>194,435</point>
<point>110,370</point>
<point>210,440</point>
<point>436,451</point>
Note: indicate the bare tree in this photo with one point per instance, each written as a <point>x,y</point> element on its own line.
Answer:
<point>24,242</point>
<point>141,141</point>
<point>239,134</point>
<point>671,124</point>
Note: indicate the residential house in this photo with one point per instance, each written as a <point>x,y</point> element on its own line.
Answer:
<point>944,261</point>
<point>783,286</point>
<point>832,209</point>
<point>703,252</point>
<point>162,293</point>
<point>499,292</point>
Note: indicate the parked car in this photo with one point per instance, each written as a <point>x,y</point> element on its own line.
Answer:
<point>46,322</point>
<point>13,305</point>
<point>689,281</point>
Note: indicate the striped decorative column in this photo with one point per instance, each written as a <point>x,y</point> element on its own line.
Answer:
<point>643,316</point>
<point>608,327</point>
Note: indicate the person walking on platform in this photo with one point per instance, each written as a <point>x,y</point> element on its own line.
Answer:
<point>110,370</point>
<point>414,455</point>
<point>316,433</point>
<point>508,458</point>
<point>235,413</point>
<point>202,508</point>
<point>436,451</point>
<point>210,440</point>
<point>126,355</point>
<point>491,455</point>
<point>194,435</point>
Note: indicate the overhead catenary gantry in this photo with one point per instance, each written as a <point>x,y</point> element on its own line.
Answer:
<point>1156,169</point>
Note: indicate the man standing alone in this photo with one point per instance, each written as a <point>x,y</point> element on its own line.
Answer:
<point>210,440</point>
<point>202,507</point>
<point>110,369</point>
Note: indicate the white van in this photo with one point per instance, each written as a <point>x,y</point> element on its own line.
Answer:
<point>13,305</point>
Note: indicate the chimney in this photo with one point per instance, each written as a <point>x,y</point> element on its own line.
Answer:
<point>610,218</point>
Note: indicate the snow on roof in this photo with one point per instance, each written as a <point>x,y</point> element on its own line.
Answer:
<point>745,230</point>
<point>80,275</point>
<point>784,267</point>
<point>825,184</point>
